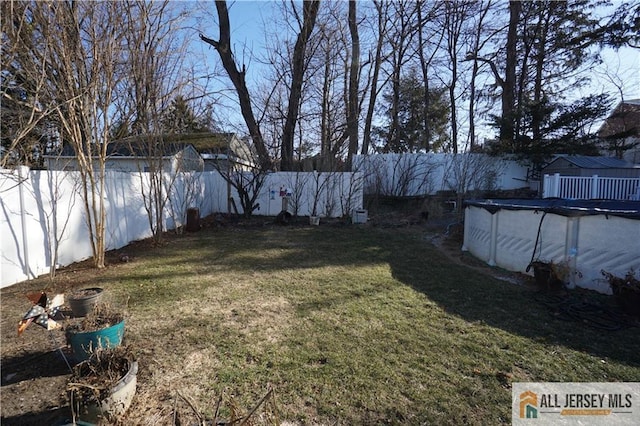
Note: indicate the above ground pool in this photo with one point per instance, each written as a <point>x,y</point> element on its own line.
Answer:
<point>587,235</point>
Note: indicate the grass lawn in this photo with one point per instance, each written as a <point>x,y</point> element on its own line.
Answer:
<point>348,325</point>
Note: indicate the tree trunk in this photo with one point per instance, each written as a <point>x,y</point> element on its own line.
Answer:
<point>366,141</point>
<point>310,13</point>
<point>425,79</point>
<point>508,89</point>
<point>223,47</point>
<point>353,110</point>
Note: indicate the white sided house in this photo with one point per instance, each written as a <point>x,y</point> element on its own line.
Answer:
<point>223,151</point>
<point>136,154</point>
<point>620,133</point>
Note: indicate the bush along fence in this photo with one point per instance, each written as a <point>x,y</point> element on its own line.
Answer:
<point>409,174</point>
<point>43,224</point>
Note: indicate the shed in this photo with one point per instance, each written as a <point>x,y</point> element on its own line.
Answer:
<point>586,166</point>
<point>222,150</point>
<point>136,153</point>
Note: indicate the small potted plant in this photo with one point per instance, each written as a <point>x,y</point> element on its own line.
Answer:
<point>549,276</point>
<point>552,276</point>
<point>626,290</point>
<point>102,387</point>
<point>102,328</point>
<point>84,300</point>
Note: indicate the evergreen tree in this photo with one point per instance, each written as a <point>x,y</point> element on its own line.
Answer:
<point>411,133</point>
<point>552,48</point>
<point>180,118</point>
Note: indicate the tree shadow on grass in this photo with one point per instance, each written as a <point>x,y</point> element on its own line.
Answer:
<point>477,297</point>
<point>34,365</point>
<point>54,417</point>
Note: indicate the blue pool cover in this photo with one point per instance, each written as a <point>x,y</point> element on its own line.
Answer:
<point>563,207</point>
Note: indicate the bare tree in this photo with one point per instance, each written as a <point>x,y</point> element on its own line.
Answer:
<point>425,64</point>
<point>377,60</point>
<point>455,15</point>
<point>400,38</point>
<point>477,44</point>
<point>298,65</point>
<point>469,172</point>
<point>297,181</point>
<point>238,78</point>
<point>353,110</point>
<point>85,88</point>
<point>55,204</point>
<point>156,76</point>
<point>248,184</point>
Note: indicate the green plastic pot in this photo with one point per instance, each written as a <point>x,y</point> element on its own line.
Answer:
<point>85,343</point>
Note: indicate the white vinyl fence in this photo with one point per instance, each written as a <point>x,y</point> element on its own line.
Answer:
<point>405,175</point>
<point>42,215</point>
<point>591,188</point>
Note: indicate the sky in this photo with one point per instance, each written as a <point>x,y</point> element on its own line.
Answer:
<point>247,18</point>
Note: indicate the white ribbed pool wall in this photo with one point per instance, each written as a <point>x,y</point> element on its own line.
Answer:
<point>590,243</point>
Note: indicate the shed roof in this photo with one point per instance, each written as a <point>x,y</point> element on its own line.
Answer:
<point>138,146</point>
<point>130,147</point>
<point>587,162</point>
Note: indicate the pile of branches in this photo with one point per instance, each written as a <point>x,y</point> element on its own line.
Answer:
<point>269,414</point>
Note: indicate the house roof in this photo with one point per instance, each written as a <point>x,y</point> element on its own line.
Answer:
<point>587,162</point>
<point>210,143</point>
<point>144,147</point>
<point>624,121</point>
<point>138,146</point>
<point>134,146</point>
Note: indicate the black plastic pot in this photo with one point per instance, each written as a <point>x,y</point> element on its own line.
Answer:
<point>83,301</point>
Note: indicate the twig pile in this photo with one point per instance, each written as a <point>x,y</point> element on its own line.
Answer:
<point>236,417</point>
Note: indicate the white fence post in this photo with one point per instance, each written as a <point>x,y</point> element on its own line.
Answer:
<point>23,176</point>
<point>594,188</point>
<point>556,185</point>
<point>551,186</point>
<point>546,183</point>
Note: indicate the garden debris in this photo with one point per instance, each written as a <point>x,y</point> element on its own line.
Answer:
<point>269,415</point>
<point>578,308</point>
<point>93,380</point>
<point>102,316</point>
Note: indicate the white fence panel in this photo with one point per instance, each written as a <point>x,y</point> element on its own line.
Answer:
<point>43,210</point>
<point>426,174</point>
<point>591,188</point>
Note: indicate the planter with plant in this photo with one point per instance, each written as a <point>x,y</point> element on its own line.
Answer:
<point>552,276</point>
<point>102,328</point>
<point>102,387</point>
<point>626,290</point>
<point>83,301</point>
